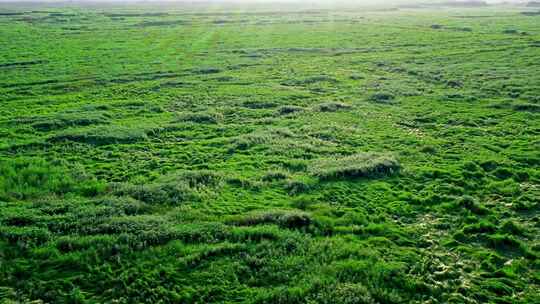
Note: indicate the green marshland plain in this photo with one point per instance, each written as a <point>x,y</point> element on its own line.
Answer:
<point>205,154</point>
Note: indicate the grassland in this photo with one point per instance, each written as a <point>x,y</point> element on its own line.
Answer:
<point>223,155</point>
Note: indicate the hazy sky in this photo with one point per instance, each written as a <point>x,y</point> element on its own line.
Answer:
<point>297,1</point>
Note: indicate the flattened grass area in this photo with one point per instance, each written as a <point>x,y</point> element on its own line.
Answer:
<point>194,154</point>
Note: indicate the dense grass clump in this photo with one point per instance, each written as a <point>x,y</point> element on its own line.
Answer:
<point>310,80</point>
<point>258,104</point>
<point>274,175</point>
<point>203,118</point>
<point>382,97</point>
<point>156,193</point>
<point>207,70</point>
<point>173,189</point>
<point>275,136</point>
<point>331,106</point>
<point>471,204</point>
<point>69,120</point>
<point>286,110</point>
<point>102,135</point>
<point>368,165</point>
<point>527,107</point>
<point>283,218</point>
<point>515,32</point>
<point>25,178</point>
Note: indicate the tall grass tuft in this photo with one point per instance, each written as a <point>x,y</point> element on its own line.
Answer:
<point>282,218</point>
<point>368,165</point>
<point>26,178</point>
<point>173,189</point>
<point>102,135</point>
<point>69,120</point>
<point>201,118</point>
<point>331,107</point>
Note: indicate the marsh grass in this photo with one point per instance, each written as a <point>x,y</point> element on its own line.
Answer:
<point>275,175</point>
<point>202,118</point>
<point>310,80</point>
<point>367,165</point>
<point>69,120</point>
<point>382,97</point>
<point>206,70</point>
<point>101,135</point>
<point>332,107</point>
<point>26,178</point>
<point>283,218</point>
<point>526,107</point>
<point>172,189</point>
<point>471,204</point>
<point>266,136</point>
<point>289,109</point>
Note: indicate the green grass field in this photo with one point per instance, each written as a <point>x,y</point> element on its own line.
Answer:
<point>214,154</point>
